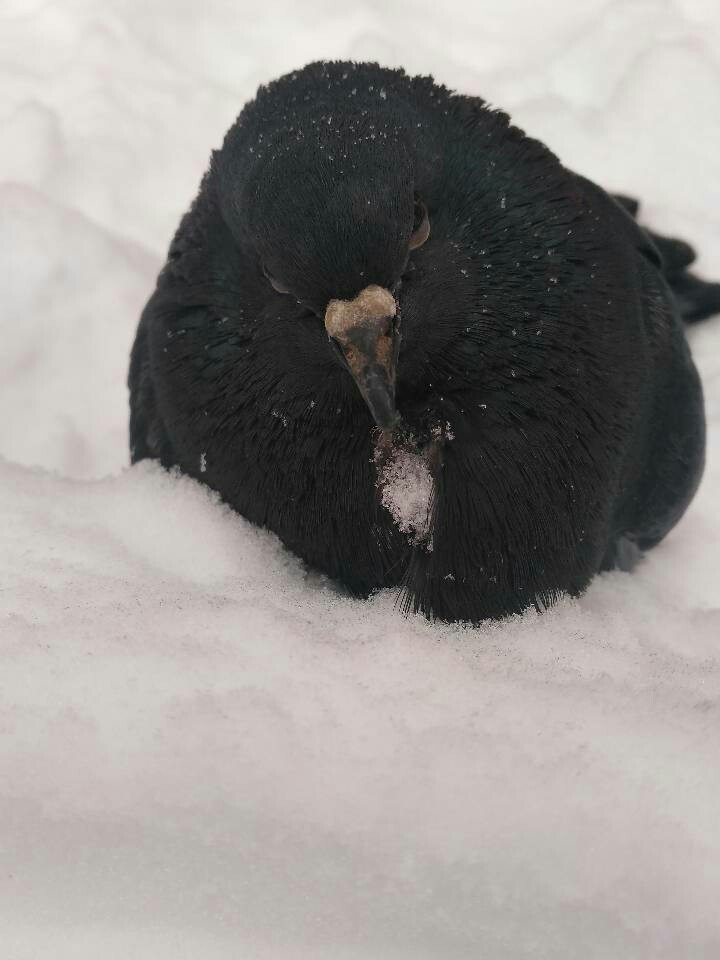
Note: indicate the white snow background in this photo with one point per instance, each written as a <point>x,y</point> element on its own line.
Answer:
<point>206,752</point>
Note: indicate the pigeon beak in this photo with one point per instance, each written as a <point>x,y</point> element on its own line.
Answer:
<point>365,331</point>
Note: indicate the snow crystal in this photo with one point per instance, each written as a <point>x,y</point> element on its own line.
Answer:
<point>406,487</point>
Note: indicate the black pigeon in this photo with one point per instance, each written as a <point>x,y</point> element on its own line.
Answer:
<point>396,331</point>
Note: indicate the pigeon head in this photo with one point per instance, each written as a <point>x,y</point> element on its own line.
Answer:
<point>318,182</point>
<point>378,206</point>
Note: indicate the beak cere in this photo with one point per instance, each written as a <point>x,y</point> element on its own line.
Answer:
<point>365,331</point>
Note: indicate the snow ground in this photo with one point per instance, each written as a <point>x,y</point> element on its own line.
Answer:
<point>206,752</point>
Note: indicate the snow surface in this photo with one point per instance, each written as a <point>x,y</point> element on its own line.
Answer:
<point>207,752</point>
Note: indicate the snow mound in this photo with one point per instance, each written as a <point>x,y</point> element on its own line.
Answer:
<point>197,730</point>
<point>69,292</point>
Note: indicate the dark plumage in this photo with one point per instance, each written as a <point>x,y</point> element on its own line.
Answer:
<point>530,350</point>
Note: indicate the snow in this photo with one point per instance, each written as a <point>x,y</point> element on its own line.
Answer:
<point>406,489</point>
<point>208,751</point>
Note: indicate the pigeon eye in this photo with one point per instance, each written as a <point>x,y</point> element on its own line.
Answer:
<point>275,284</point>
<point>421,226</point>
